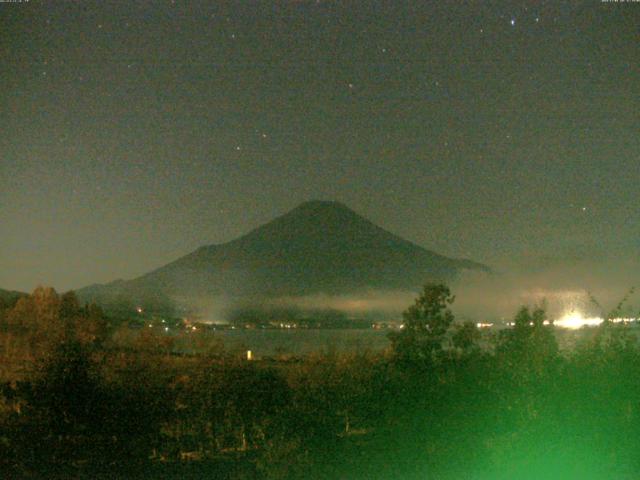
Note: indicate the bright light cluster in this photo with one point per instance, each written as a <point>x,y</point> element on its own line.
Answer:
<point>575,320</point>
<point>484,325</point>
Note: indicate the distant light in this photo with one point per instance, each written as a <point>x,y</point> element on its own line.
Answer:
<point>139,309</point>
<point>166,329</point>
<point>249,355</point>
<point>623,320</point>
<point>513,22</point>
<point>575,320</point>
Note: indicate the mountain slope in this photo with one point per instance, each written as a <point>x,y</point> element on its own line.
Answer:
<point>318,247</point>
<point>8,297</point>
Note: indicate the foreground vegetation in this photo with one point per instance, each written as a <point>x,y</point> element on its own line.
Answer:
<point>78,402</point>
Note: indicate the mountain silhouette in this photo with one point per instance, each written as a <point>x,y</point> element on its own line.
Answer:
<point>7,297</point>
<point>318,247</point>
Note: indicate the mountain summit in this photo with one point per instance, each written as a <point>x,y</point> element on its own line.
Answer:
<point>318,247</point>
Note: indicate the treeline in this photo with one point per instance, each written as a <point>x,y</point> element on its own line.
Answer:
<point>442,402</point>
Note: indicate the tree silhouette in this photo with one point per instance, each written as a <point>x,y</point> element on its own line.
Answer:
<point>425,325</point>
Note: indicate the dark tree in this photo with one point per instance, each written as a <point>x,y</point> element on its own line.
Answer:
<point>466,337</point>
<point>426,323</point>
<point>530,344</point>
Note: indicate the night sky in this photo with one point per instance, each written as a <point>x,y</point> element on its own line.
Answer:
<point>135,132</point>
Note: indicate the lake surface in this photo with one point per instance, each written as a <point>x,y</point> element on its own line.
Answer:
<point>270,342</point>
<point>302,341</point>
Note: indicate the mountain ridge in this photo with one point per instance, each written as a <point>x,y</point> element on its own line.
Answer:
<point>9,296</point>
<point>318,247</point>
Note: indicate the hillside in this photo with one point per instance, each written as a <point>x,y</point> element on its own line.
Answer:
<point>318,247</point>
<point>9,296</point>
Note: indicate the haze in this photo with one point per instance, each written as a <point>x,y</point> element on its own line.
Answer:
<point>134,134</point>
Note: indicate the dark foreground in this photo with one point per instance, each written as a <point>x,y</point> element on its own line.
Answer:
<point>76,403</point>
